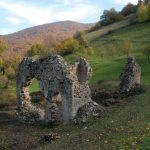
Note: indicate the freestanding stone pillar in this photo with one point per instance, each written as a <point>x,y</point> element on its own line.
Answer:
<point>131,76</point>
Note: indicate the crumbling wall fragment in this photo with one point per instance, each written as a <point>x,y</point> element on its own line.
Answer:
<point>64,87</point>
<point>131,76</point>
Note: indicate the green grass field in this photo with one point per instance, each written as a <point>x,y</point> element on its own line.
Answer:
<point>125,127</point>
<point>105,30</point>
<point>34,86</point>
<point>108,66</point>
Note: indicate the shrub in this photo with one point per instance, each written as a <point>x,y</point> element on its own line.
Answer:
<point>81,38</point>
<point>82,51</point>
<point>69,46</point>
<point>36,49</point>
<point>127,44</point>
<point>143,13</point>
<point>58,46</point>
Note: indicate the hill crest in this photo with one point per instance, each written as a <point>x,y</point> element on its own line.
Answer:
<point>51,32</point>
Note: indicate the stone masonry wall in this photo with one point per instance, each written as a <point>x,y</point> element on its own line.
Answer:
<point>64,86</point>
<point>131,76</point>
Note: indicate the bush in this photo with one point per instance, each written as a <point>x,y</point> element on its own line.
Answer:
<point>82,51</point>
<point>143,13</point>
<point>69,46</point>
<point>81,38</point>
<point>78,45</point>
<point>127,45</point>
<point>36,49</point>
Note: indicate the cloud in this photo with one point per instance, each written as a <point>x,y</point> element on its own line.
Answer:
<point>13,20</point>
<point>4,31</point>
<point>32,14</point>
<point>77,13</point>
<point>66,2</point>
<point>56,12</point>
<point>124,2</point>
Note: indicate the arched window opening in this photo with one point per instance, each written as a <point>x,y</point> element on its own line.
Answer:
<point>37,97</point>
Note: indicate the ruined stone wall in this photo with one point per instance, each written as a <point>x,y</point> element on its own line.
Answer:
<point>131,76</point>
<point>64,86</point>
<point>81,74</point>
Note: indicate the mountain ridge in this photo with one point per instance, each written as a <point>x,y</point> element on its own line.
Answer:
<point>50,32</point>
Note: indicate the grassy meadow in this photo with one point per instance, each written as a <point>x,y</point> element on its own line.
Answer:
<point>109,55</point>
<point>124,127</point>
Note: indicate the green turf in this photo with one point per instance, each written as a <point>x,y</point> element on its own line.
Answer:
<point>110,56</point>
<point>113,44</point>
<point>106,29</point>
<point>127,127</point>
<point>34,86</point>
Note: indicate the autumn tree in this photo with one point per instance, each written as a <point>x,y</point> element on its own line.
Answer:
<point>140,2</point>
<point>9,61</point>
<point>58,47</point>
<point>36,49</point>
<point>84,45</point>
<point>110,16</point>
<point>2,71</point>
<point>146,2</point>
<point>143,13</point>
<point>50,42</point>
<point>81,38</point>
<point>127,45</point>
<point>3,45</point>
<point>129,9</point>
<point>143,2</point>
<point>78,45</point>
<point>69,46</point>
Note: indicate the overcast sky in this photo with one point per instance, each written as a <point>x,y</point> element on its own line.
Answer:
<point>19,14</point>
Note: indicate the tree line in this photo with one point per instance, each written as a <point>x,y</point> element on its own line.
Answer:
<point>142,10</point>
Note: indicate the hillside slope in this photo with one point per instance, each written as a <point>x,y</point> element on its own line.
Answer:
<point>112,27</point>
<point>138,35</point>
<point>51,32</point>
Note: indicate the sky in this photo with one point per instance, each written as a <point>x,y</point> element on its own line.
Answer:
<point>16,15</point>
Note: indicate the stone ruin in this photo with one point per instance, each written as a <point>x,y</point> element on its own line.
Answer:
<point>131,76</point>
<point>64,86</point>
<point>129,86</point>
